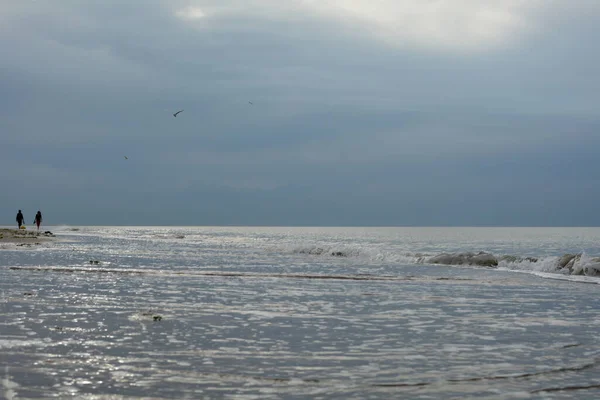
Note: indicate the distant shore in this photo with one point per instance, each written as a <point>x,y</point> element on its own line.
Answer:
<point>25,237</point>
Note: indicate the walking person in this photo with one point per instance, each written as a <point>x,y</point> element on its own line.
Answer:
<point>38,219</point>
<point>20,219</point>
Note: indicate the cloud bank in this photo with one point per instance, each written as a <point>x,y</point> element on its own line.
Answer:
<point>382,112</point>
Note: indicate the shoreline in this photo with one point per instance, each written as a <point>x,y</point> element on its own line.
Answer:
<point>24,237</point>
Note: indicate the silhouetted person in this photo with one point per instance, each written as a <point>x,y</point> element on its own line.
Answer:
<point>20,219</point>
<point>38,219</point>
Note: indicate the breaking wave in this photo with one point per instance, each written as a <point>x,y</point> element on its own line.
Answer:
<point>567,264</point>
<point>579,264</point>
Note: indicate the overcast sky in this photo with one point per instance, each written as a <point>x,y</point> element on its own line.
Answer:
<point>364,112</point>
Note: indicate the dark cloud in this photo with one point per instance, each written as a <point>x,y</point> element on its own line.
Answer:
<point>353,121</point>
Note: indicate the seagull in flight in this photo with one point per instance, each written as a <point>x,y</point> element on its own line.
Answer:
<point>175,115</point>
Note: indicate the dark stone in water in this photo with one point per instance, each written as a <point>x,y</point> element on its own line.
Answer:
<point>481,258</point>
<point>564,260</point>
<point>317,251</point>
<point>149,313</point>
<point>95,262</point>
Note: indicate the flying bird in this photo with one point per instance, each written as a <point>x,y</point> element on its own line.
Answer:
<point>126,157</point>
<point>175,115</point>
<point>251,103</point>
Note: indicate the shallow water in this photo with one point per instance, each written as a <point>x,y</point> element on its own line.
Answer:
<point>283,313</point>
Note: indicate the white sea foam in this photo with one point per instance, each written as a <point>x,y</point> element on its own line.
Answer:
<point>8,385</point>
<point>565,265</point>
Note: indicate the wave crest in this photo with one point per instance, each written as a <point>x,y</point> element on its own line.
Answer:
<point>567,264</point>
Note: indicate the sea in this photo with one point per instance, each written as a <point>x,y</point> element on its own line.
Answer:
<point>301,313</point>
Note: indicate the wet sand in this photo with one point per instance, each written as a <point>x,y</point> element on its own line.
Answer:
<point>24,237</point>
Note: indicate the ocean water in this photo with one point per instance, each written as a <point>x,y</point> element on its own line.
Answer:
<point>295,313</point>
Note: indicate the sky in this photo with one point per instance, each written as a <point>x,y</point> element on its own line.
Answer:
<point>300,112</point>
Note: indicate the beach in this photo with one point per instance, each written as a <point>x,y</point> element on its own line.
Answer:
<point>283,313</point>
<point>24,237</point>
